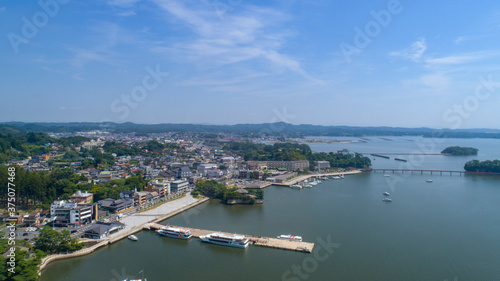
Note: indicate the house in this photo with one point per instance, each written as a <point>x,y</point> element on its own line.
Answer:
<point>32,220</point>
<point>101,230</point>
<point>106,176</point>
<point>127,195</point>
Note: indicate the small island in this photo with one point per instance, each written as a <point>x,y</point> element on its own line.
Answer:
<point>228,195</point>
<point>487,166</point>
<point>458,150</point>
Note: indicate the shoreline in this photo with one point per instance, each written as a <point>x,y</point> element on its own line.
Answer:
<point>305,177</point>
<point>143,218</point>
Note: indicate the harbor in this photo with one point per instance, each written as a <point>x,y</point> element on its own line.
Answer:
<point>299,179</point>
<point>269,242</point>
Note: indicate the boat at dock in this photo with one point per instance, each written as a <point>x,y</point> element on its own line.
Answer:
<point>231,240</point>
<point>175,232</point>
<point>133,237</point>
<point>290,237</point>
<point>296,186</point>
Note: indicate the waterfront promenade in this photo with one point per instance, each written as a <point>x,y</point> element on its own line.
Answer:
<point>305,177</point>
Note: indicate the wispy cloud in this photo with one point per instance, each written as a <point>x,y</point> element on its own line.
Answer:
<point>127,13</point>
<point>123,3</point>
<point>2,9</point>
<point>414,52</point>
<point>461,58</point>
<point>247,34</point>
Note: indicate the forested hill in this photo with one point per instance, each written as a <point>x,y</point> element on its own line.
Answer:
<point>293,152</point>
<point>21,145</point>
<point>279,128</point>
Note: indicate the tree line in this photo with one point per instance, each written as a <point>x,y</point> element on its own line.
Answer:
<point>487,166</point>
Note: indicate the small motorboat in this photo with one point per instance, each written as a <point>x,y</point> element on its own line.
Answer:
<point>133,237</point>
<point>387,199</point>
<point>429,180</point>
<point>386,193</point>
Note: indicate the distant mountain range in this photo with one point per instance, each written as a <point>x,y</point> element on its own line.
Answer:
<point>275,129</point>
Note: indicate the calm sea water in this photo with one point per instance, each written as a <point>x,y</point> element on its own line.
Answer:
<point>445,230</point>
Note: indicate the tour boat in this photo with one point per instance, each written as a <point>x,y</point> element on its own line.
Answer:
<point>234,240</point>
<point>174,232</point>
<point>133,238</point>
<point>290,237</point>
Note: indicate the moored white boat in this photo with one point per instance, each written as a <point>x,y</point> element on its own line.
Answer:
<point>290,237</point>
<point>231,240</point>
<point>296,186</point>
<point>174,232</point>
<point>133,237</point>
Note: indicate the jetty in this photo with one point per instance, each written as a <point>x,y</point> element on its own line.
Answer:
<point>305,177</point>
<point>269,242</point>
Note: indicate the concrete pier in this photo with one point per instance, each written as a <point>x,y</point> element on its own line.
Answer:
<point>254,240</point>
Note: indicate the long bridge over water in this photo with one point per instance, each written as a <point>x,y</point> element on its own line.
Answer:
<point>421,171</point>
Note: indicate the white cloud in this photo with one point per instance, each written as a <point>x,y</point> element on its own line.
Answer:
<point>243,34</point>
<point>414,52</point>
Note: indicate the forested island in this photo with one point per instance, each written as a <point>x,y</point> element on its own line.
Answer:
<point>487,166</point>
<point>459,150</point>
<point>215,190</point>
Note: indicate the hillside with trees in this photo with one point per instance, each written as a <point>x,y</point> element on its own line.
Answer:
<point>40,189</point>
<point>289,151</point>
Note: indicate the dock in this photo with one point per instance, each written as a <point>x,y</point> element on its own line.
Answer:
<point>305,177</point>
<point>276,243</point>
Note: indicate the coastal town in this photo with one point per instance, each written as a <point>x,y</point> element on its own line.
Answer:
<point>119,182</point>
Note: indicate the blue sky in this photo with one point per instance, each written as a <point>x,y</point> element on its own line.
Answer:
<point>362,63</point>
